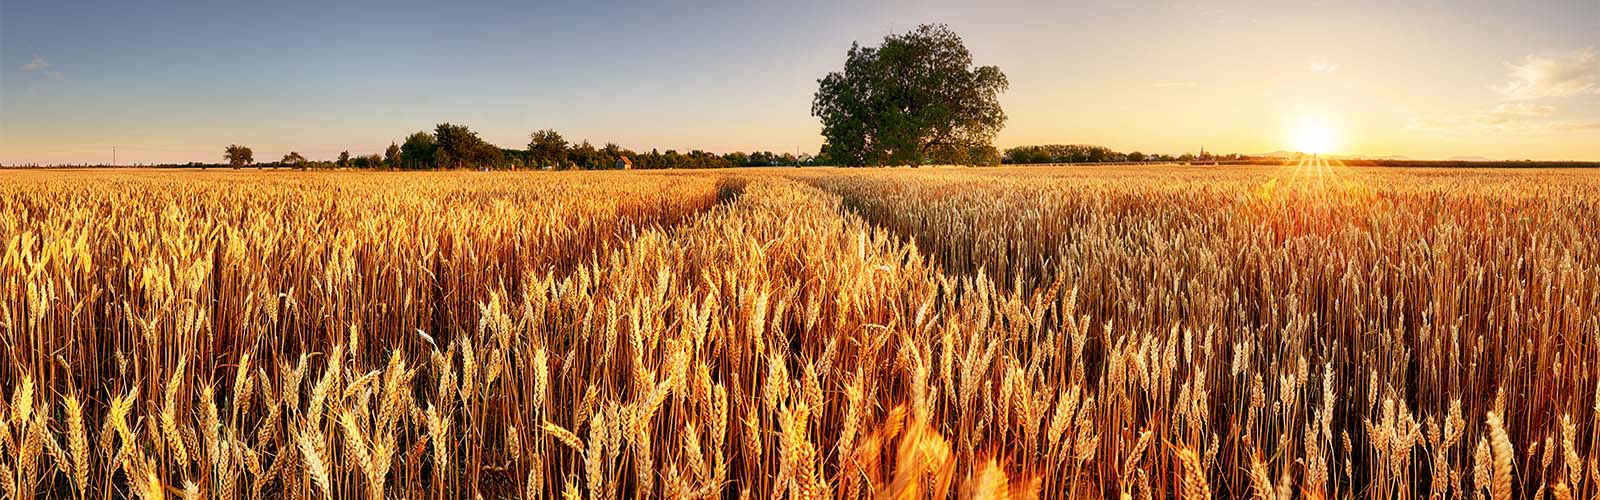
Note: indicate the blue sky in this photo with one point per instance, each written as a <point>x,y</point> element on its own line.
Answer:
<point>176,81</point>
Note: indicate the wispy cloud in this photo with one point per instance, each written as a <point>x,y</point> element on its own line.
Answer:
<point>1168,85</point>
<point>1508,118</point>
<point>38,63</point>
<point>1322,67</point>
<point>42,66</point>
<point>1511,110</point>
<point>1557,75</point>
<point>1468,125</point>
<point>1538,77</point>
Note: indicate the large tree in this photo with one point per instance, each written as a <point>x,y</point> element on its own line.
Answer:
<point>546,148</point>
<point>917,97</point>
<point>458,146</point>
<point>238,156</point>
<point>417,152</point>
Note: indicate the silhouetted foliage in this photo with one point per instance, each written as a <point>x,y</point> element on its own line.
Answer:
<point>367,161</point>
<point>1084,153</point>
<point>546,148</point>
<point>457,146</point>
<point>391,156</point>
<point>293,159</point>
<point>1062,153</point>
<point>584,155</point>
<point>460,147</point>
<point>417,151</point>
<point>238,156</point>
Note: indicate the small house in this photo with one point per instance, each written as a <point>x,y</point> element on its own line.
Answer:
<point>623,163</point>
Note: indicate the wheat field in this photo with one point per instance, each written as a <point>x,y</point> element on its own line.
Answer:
<point>1301,331</point>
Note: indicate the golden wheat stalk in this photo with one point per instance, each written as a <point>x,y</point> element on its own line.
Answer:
<point>313,451</point>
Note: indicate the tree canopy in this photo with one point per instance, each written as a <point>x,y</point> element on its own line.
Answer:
<point>238,156</point>
<point>546,148</point>
<point>458,146</point>
<point>914,99</point>
<point>391,156</point>
<point>417,151</point>
<point>293,159</point>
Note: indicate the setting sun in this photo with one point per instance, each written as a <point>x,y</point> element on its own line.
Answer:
<point>1313,136</point>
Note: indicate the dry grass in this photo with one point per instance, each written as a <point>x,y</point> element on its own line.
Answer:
<point>1270,332</point>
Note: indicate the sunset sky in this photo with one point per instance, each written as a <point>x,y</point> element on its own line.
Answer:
<point>176,81</point>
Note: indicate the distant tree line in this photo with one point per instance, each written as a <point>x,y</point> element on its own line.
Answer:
<point>548,149</point>
<point>451,146</point>
<point>1085,153</point>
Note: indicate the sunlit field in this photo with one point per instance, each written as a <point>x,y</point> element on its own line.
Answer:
<point>1310,330</point>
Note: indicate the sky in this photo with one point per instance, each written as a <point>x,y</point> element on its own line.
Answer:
<point>176,81</point>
